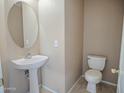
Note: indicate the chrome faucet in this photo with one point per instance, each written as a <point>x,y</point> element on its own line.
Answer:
<point>28,56</point>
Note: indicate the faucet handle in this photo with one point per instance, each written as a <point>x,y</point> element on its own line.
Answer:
<point>28,56</point>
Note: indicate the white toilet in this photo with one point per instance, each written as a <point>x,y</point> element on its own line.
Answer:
<point>94,75</point>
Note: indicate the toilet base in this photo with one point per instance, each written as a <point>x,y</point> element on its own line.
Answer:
<point>91,87</point>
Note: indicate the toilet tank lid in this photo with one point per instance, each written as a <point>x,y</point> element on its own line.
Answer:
<point>96,57</point>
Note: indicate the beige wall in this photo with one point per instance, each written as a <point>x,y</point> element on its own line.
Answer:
<point>2,43</point>
<point>102,33</point>
<point>65,62</point>
<point>51,21</point>
<point>9,50</point>
<point>73,41</point>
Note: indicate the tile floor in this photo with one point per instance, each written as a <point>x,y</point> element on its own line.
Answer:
<point>81,88</point>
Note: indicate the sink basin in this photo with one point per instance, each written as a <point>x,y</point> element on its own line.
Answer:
<point>33,63</point>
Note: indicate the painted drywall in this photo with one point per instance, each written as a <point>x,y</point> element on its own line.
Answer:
<point>9,50</point>
<point>102,33</point>
<point>62,21</point>
<point>51,21</point>
<point>73,41</point>
<point>2,43</point>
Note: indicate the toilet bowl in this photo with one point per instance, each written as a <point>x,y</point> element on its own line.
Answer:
<point>94,76</point>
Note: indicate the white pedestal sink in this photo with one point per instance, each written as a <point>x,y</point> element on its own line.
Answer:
<point>32,65</point>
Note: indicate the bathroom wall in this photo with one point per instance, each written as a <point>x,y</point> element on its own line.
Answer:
<point>61,20</point>
<point>9,50</point>
<point>52,28</point>
<point>102,33</point>
<point>73,40</point>
<point>2,43</point>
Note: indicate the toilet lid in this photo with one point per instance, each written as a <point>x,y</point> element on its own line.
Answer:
<point>93,76</point>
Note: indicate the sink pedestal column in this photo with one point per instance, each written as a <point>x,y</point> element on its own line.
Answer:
<point>34,86</point>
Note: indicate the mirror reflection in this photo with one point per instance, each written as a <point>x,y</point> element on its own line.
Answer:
<point>22,25</point>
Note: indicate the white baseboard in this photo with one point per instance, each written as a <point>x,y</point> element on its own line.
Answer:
<point>53,91</point>
<point>49,89</point>
<point>105,82</point>
<point>74,84</point>
<point>109,83</point>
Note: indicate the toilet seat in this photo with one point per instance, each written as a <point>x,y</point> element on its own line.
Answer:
<point>93,76</point>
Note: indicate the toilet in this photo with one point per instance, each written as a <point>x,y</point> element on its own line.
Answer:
<point>94,76</point>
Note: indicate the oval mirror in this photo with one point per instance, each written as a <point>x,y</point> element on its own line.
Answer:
<point>23,25</point>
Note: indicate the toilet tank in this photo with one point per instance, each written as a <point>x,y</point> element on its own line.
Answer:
<point>96,62</point>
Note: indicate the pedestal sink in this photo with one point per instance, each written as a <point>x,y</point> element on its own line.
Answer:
<point>32,65</point>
